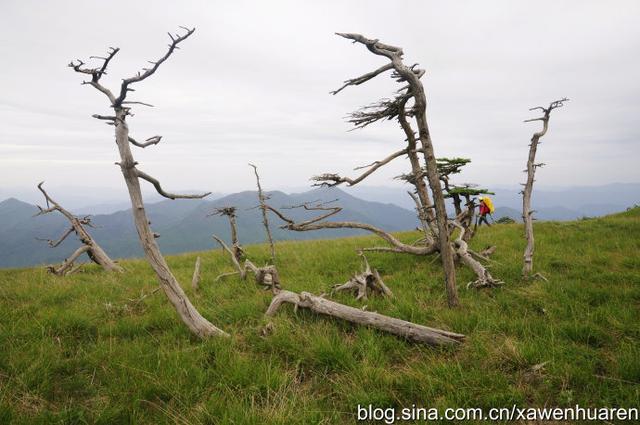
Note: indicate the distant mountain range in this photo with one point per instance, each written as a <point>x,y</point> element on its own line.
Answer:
<point>563,204</point>
<point>182,224</point>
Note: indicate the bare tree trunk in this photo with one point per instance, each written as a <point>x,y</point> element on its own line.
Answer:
<point>402,328</point>
<point>527,212</point>
<point>390,109</point>
<point>418,176</point>
<point>265,220</point>
<point>132,175</point>
<point>172,289</point>
<point>93,250</point>
<point>446,252</point>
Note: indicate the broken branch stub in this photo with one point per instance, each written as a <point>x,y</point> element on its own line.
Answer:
<point>195,280</point>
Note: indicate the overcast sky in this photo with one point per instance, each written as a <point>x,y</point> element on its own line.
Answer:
<point>252,85</point>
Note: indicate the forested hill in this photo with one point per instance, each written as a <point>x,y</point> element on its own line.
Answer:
<point>183,225</point>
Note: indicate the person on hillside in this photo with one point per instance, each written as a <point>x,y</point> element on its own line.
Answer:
<point>486,208</point>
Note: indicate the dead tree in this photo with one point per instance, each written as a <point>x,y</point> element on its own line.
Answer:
<point>89,245</point>
<point>401,328</point>
<point>365,282</point>
<point>262,198</point>
<point>132,175</point>
<point>396,108</point>
<point>266,276</point>
<point>396,246</point>
<point>230,213</point>
<point>527,212</point>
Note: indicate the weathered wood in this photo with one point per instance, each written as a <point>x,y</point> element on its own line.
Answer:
<point>484,278</point>
<point>66,267</point>
<point>230,213</point>
<point>318,223</point>
<point>389,109</point>
<point>401,328</point>
<point>195,280</point>
<point>527,212</point>
<point>267,276</point>
<point>236,263</point>
<point>362,283</point>
<point>190,316</point>
<point>265,219</point>
<point>93,250</point>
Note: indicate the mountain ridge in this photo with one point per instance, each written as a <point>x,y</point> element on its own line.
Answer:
<point>183,225</point>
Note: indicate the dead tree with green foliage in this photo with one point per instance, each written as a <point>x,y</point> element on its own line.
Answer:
<point>121,106</point>
<point>409,107</point>
<point>527,212</point>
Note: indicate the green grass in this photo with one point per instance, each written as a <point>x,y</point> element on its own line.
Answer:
<point>78,350</point>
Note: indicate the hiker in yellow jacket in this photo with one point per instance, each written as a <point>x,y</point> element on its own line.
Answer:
<point>486,208</point>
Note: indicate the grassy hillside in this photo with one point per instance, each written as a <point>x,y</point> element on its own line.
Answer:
<point>78,350</point>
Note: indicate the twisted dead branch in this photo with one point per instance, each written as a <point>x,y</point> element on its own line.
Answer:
<point>395,108</point>
<point>367,281</point>
<point>484,278</point>
<point>89,245</point>
<point>266,276</point>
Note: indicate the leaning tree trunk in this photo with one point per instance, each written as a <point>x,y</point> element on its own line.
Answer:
<point>527,212</point>
<point>132,175</point>
<point>420,110</point>
<point>394,108</point>
<point>187,312</point>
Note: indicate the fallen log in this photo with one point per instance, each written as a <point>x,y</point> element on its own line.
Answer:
<point>402,328</point>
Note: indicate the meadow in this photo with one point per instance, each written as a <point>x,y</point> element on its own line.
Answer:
<point>103,348</point>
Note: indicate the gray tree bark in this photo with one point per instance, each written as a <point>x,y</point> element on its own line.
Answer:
<point>401,328</point>
<point>265,219</point>
<point>390,109</point>
<point>196,323</point>
<point>527,212</point>
<point>90,246</point>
